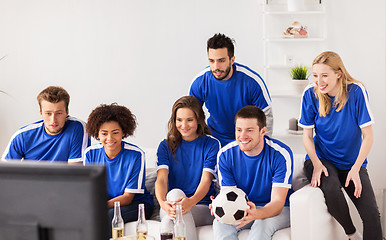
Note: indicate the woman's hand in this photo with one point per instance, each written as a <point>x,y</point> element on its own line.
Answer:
<point>353,175</point>
<point>186,204</point>
<point>317,174</point>
<point>170,208</point>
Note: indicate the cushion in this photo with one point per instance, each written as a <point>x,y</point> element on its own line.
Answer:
<point>299,179</point>
<point>151,176</point>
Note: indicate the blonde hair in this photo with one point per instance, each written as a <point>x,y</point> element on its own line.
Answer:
<point>333,60</point>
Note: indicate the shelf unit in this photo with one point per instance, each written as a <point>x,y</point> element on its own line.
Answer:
<point>282,53</point>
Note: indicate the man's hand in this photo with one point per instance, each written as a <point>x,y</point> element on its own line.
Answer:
<point>252,214</point>
<point>210,205</point>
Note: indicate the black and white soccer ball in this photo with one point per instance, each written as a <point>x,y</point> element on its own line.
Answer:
<point>230,205</point>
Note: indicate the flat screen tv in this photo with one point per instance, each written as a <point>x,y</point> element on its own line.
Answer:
<point>52,201</point>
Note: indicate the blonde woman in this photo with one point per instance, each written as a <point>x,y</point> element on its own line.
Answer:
<point>337,108</point>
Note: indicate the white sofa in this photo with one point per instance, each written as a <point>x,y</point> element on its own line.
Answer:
<point>309,217</point>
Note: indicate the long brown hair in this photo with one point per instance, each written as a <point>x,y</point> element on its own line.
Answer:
<point>174,137</point>
<point>334,61</point>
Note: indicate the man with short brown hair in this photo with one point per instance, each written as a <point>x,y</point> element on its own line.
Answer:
<point>57,137</point>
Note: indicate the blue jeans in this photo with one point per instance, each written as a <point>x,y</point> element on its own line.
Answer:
<point>261,229</point>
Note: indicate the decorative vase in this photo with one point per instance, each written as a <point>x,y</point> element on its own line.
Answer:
<point>295,5</point>
<point>299,85</point>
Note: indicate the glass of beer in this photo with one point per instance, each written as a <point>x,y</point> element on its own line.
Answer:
<point>166,229</point>
<point>166,235</point>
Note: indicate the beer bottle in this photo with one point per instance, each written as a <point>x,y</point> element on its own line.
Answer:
<point>117,224</point>
<point>141,223</point>
<point>179,225</point>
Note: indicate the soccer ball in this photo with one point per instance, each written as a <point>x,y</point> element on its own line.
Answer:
<point>230,205</point>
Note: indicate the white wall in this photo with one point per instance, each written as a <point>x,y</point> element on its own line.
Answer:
<point>144,54</point>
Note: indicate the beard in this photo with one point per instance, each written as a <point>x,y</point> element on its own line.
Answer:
<point>227,71</point>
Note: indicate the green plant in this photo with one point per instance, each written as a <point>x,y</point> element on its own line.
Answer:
<point>299,72</point>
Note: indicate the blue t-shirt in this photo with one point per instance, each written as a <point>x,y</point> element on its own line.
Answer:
<point>125,173</point>
<point>191,159</point>
<point>338,135</point>
<point>33,143</point>
<point>257,175</point>
<point>224,99</point>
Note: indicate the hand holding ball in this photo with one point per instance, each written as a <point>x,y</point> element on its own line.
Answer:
<point>230,205</point>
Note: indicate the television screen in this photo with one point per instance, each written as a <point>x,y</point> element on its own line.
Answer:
<point>52,201</point>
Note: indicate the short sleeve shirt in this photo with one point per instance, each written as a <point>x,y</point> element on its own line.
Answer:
<point>257,175</point>
<point>125,173</point>
<point>33,143</point>
<point>190,160</point>
<point>338,135</point>
<point>224,99</point>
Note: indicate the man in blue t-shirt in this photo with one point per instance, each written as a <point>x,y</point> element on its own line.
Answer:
<point>225,87</point>
<point>262,168</point>
<point>58,137</point>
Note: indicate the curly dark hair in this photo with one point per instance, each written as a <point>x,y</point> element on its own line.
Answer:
<point>221,41</point>
<point>111,113</point>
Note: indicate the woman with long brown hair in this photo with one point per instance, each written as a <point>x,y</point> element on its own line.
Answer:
<point>186,167</point>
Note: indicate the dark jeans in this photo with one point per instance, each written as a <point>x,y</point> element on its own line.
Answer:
<point>129,213</point>
<point>336,203</point>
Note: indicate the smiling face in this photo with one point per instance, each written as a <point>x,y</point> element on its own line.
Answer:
<point>110,135</point>
<point>186,124</point>
<point>220,63</point>
<point>249,136</point>
<point>54,116</point>
<point>326,79</point>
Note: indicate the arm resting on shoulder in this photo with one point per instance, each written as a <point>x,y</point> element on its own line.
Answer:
<point>271,209</point>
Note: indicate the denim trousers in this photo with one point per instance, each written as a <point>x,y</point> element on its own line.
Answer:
<point>261,229</point>
<point>337,206</point>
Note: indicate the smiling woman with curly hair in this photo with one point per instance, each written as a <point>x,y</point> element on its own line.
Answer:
<point>108,113</point>
<point>125,162</point>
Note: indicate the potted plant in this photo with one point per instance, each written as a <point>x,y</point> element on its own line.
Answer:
<point>299,75</point>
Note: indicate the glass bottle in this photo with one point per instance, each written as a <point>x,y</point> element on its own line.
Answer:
<point>117,223</point>
<point>166,229</point>
<point>179,225</point>
<point>141,223</point>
